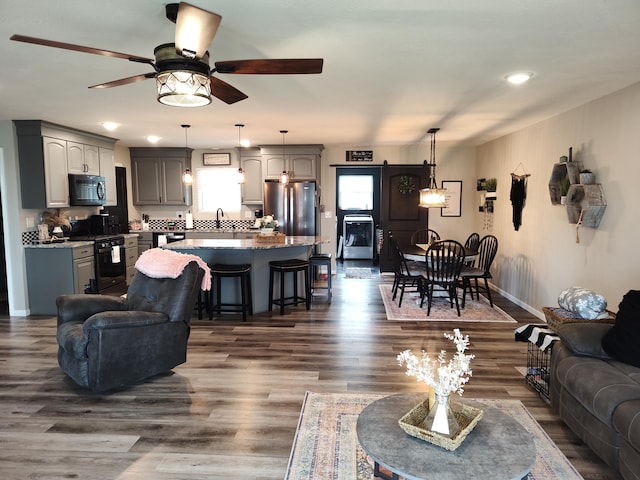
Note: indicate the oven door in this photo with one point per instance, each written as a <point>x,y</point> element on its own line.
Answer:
<point>110,275</point>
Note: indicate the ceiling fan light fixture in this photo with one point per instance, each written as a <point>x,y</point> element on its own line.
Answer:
<point>182,88</point>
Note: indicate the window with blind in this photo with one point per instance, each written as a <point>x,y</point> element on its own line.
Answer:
<point>218,188</point>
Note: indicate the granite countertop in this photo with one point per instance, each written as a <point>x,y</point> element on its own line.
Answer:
<point>205,230</point>
<point>63,244</point>
<point>244,244</point>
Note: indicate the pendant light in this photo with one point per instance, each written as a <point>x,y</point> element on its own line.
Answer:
<point>432,196</point>
<point>187,176</point>
<point>284,177</point>
<point>242,176</point>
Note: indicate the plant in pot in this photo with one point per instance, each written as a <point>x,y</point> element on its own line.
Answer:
<point>490,186</point>
<point>57,221</point>
<point>587,177</point>
<point>565,183</point>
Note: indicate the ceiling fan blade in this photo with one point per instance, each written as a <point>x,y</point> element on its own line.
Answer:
<point>195,29</point>
<point>225,92</point>
<point>281,66</point>
<point>80,48</point>
<point>125,81</point>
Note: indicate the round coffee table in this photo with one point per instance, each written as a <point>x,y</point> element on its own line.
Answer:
<point>497,448</point>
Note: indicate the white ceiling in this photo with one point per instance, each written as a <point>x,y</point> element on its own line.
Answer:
<point>392,70</point>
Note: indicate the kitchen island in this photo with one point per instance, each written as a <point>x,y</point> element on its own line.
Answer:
<point>252,252</point>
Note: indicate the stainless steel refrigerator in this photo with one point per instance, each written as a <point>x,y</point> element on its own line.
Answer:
<point>293,205</point>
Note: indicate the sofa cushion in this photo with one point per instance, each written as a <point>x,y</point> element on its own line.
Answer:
<point>585,338</point>
<point>599,385</point>
<point>622,342</point>
<point>586,303</point>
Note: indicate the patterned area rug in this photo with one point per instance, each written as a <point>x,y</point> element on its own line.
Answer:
<point>474,311</point>
<point>326,446</point>
<point>357,272</point>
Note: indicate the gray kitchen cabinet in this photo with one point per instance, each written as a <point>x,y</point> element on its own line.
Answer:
<point>301,162</point>
<point>131,255</point>
<point>252,189</point>
<point>145,241</point>
<point>107,163</point>
<point>157,175</point>
<point>43,153</point>
<point>82,159</point>
<point>57,270</point>
<point>55,172</point>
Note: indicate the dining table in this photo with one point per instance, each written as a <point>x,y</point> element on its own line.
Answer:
<point>417,252</point>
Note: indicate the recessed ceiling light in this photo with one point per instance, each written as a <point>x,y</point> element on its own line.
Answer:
<point>153,139</point>
<point>518,78</point>
<point>111,126</point>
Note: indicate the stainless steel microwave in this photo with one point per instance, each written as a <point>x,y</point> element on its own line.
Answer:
<point>87,190</point>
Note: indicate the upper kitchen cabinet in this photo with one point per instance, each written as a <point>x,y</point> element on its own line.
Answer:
<point>301,162</point>
<point>44,150</point>
<point>251,164</point>
<point>107,163</point>
<point>82,159</point>
<point>157,175</point>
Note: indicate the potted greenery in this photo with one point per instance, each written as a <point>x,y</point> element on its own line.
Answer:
<point>565,183</point>
<point>587,177</point>
<point>491,184</point>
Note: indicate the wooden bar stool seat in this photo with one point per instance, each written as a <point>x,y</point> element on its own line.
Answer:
<point>243,273</point>
<point>293,266</point>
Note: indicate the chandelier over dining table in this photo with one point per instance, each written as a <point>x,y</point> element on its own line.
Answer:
<point>432,196</point>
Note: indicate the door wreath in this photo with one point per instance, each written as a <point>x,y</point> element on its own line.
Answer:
<point>406,185</point>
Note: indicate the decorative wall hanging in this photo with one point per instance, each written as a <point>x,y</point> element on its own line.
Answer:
<point>216,159</point>
<point>518,194</point>
<point>453,194</point>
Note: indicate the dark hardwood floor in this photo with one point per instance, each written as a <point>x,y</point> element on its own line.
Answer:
<point>231,411</point>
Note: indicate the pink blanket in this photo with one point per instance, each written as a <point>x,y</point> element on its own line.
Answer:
<point>160,263</point>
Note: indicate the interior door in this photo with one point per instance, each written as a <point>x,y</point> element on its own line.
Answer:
<point>400,213</point>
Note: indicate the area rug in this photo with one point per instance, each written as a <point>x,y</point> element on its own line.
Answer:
<point>326,446</point>
<point>357,272</point>
<point>441,311</point>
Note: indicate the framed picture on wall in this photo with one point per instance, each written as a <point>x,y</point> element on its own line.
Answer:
<point>454,198</point>
<point>216,159</point>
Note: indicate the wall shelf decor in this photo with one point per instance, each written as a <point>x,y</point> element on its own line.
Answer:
<point>586,204</point>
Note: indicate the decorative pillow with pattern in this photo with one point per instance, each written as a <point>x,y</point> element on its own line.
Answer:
<point>586,303</point>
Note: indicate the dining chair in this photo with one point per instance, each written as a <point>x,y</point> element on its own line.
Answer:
<point>406,273</point>
<point>471,243</point>
<point>424,236</point>
<point>444,261</point>
<point>487,250</point>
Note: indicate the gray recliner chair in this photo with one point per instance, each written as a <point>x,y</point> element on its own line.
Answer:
<point>108,342</point>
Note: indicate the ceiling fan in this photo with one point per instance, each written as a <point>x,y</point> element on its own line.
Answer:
<point>181,69</point>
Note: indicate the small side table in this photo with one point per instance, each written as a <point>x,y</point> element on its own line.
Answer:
<point>498,447</point>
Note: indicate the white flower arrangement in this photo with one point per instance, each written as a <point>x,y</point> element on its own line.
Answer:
<point>266,222</point>
<point>443,377</point>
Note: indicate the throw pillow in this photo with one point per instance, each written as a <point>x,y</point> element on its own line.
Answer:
<point>585,338</point>
<point>622,342</point>
<point>586,303</point>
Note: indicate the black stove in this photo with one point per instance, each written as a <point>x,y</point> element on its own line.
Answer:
<point>109,259</point>
<point>100,241</point>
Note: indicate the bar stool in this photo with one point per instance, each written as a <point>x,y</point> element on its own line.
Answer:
<point>293,266</point>
<point>317,260</point>
<point>242,272</point>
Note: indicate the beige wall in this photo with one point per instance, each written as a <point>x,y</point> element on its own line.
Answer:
<point>537,262</point>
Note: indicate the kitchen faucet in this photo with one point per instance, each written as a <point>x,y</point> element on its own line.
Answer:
<point>219,211</point>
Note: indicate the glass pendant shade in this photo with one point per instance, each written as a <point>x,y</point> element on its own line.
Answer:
<point>433,198</point>
<point>187,177</point>
<point>242,176</point>
<point>182,88</point>
<point>284,178</point>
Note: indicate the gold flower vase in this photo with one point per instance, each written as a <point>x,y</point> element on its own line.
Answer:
<point>441,418</point>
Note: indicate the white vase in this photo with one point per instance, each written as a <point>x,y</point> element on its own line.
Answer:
<point>57,232</point>
<point>441,418</point>
<point>266,231</point>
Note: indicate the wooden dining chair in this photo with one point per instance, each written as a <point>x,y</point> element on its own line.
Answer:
<point>444,261</point>
<point>424,236</point>
<point>487,250</point>
<point>406,273</point>
<point>471,243</point>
